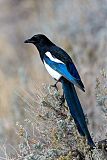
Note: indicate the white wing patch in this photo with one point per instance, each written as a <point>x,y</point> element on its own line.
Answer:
<point>52,72</point>
<point>48,54</point>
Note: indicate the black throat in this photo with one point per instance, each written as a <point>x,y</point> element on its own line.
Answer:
<point>43,48</point>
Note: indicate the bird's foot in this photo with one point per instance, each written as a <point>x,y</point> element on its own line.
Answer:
<point>55,86</point>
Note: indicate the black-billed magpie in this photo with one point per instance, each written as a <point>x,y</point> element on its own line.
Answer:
<point>61,67</point>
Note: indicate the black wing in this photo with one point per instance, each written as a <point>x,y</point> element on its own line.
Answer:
<point>66,59</point>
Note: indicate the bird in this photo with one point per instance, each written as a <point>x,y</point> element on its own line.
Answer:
<point>61,67</point>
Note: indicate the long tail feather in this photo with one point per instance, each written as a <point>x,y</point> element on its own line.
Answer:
<point>76,109</point>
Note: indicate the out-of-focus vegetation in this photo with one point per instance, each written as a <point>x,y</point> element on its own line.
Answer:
<point>48,131</point>
<point>80,27</point>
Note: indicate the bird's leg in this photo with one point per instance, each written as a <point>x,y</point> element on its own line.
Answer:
<point>62,99</point>
<point>55,85</point>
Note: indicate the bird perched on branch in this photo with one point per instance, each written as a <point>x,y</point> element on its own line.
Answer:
<point>61,67</point>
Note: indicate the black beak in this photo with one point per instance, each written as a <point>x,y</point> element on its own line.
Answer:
<point>28,41</point>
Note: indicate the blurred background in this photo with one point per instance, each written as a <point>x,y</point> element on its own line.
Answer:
<point>78,26</point>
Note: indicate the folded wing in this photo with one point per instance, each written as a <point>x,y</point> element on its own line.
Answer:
<point>61,68</point>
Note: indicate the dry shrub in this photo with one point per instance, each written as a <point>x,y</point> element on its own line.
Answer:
<point>48,132</point>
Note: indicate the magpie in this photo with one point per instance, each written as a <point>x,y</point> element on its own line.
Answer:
<point>61,67</point>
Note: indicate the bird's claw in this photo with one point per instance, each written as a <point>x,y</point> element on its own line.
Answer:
<point>55,86</point>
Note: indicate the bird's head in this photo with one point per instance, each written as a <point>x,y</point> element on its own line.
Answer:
<point>38,40</point>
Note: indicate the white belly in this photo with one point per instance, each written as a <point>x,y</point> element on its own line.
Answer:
<point>52,72</point>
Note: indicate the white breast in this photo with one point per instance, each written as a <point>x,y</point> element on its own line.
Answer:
<point>52,72</point>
